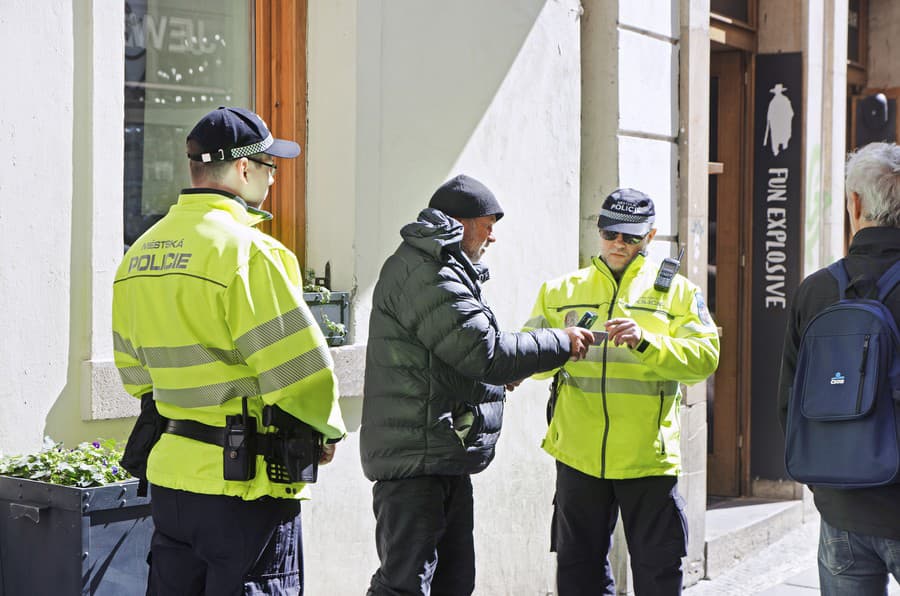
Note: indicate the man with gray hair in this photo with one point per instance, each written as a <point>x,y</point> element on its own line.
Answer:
<point>859,536</point>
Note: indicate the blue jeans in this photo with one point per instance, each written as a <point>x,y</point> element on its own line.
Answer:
<point>852,564</point>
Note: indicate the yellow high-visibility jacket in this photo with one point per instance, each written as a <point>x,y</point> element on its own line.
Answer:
<point>616,411</point>
<point>206,310</point>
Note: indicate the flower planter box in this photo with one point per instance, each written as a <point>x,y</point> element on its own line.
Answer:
<point>337,309</point>
<point>64,540</point>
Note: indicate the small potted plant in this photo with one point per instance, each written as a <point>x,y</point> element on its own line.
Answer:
<point>71,523</point>
<point>337,332</point>
<point>330,309</point>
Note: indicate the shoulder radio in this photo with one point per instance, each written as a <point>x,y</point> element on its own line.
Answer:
<point>667,270</point>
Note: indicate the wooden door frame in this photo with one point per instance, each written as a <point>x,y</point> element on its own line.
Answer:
<point>745,372</point>
<point>728,458</point>
<point>280,88</point>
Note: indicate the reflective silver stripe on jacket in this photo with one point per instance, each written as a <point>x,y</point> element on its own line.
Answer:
<point>135,375</point>
<point>295,369</point>
<point>120,344</point>
<point>208,395</point>
<point>193,355</point>
<point>613,385</point>
<point>176,356</point>
<point>273,331</point>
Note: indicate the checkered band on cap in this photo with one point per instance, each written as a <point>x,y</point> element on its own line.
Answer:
<point>238,152</point>
<point>625,217</point>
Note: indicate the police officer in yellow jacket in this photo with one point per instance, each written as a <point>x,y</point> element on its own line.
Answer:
<point>614,426</point>
<point>209,320</point>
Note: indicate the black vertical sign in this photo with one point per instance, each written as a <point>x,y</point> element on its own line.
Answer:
<point>777,228</point>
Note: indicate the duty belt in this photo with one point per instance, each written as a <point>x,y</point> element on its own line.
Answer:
<point>214,435</point>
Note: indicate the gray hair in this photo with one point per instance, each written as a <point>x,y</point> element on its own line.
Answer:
<point>873,172</point>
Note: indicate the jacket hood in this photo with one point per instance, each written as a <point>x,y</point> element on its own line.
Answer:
<point>434,233</point>
<point>440,237</point>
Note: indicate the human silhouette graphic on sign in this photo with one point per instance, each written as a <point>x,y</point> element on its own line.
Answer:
<point>778,120</point>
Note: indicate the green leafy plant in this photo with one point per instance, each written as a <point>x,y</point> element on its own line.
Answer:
<point>337,329</point>
<point>88,464</point>
<point>310,285</point>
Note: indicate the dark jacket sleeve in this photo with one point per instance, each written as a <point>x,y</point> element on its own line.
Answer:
<point>456,327</point>
<point>789,360</point>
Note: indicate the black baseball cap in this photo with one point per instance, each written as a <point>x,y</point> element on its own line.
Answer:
<point>628,211</point>
<point>227,134</point>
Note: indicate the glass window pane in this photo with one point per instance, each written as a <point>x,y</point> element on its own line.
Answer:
<point>735,9</point>
<point>182,59</point>
<point>853,31</point>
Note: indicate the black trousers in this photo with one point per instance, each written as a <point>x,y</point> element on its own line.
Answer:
<point>423,533</point>
<point>213,545</point>
<point>585,514</point>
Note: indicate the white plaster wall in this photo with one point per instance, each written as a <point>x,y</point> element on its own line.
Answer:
<point>599,117</point>
<point>650,16</point>
<point>61,213</point>
<point>650,165</point>
<point>35,215</point>
<point>648,85</point>
<point>825,53</point>
<point>331,156</point>
<point>491,90</point>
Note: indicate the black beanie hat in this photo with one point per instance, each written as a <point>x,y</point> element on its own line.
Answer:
<point>464,197</point>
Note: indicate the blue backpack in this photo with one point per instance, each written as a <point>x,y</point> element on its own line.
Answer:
<point>844,409</point>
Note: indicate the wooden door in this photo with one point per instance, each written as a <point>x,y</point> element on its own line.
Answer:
<point>728,201</point>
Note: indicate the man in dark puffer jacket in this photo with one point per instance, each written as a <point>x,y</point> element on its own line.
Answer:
<point>436,367</point>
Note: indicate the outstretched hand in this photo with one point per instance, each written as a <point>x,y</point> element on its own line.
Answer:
<point>581,339</point>
<point>511,386</point>
<point>328,450</point>
<point>624,331</point>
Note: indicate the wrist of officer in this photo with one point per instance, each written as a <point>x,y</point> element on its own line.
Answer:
<point>642,343</point>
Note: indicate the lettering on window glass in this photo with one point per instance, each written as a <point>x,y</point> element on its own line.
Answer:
<point>182,59</point>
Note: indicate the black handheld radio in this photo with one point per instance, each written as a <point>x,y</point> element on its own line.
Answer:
<point>667,270</point>
<point>587,320</point>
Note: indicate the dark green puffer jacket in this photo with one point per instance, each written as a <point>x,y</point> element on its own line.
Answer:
<point>436,354</point>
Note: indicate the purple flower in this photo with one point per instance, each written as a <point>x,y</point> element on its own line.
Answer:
<point>115,469</point>
<point>96,444</point>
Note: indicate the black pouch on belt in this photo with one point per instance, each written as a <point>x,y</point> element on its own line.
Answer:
<point>146,432</point>
<point>295,448</point>
<point>239,451</point>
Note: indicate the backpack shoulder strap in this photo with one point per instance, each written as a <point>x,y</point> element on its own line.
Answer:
<point>887,281</point>
<point>839,272</point>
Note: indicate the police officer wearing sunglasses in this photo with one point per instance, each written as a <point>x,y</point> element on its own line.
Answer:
<point>613,417</point>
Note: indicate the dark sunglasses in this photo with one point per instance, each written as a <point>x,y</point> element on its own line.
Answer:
<point>626,238</point>
<point>265,163</point>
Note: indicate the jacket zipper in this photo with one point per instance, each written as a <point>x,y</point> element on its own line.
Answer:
<point>662,442</point>
<point>862,374</point>
<point>612,305</point>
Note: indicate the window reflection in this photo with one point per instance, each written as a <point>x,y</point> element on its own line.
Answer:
<point>735,9</point>
<point>182,59</point>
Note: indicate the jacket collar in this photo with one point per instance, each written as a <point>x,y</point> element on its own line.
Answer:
<point>876,241</point>
<point>440,236</point>
<point>226,201</point>
<point>630,270</point>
